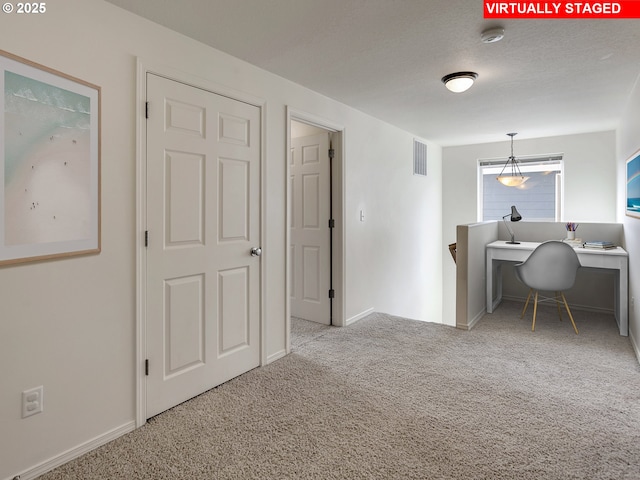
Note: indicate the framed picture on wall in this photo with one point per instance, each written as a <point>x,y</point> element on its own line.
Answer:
<point>633,185</point>
<point>49,163</point>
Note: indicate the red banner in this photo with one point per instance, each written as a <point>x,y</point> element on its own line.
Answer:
<point>562,9</point>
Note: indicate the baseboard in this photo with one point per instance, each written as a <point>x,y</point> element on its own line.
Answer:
<point>474,320</point>
<point>76,452</point>
<point>359,316</point>
<point>572,306</point>
<point>634,344</point>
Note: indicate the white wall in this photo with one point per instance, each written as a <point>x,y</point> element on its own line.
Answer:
<point>401,233</point>
<point>589,186</point>
<point>70,324</point>
<point>628,143</point>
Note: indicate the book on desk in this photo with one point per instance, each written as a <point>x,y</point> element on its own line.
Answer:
<point>599,244</point>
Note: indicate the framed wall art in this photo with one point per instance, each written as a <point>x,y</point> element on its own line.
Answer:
<point>633,185</point>
<point>49,163</point>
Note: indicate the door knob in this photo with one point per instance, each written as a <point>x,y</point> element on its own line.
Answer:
<point>256,251</point>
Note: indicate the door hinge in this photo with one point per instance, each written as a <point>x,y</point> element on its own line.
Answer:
<point>332,223</point>
<point>332,153</point>
<point>146,238</point>
<point>146,367</point>
<point>146,110</point>
<point>332,293</point>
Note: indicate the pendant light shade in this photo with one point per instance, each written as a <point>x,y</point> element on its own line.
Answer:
<point>513,177</point>
<point>460,81</point>
<point>512,180</point>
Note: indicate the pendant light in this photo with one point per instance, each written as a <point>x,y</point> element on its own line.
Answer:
<point>515,178</point>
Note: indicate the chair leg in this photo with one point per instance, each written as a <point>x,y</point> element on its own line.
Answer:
<point>526,304</point>
<point>535,310</point>
<point>569,312</point>
<point>558,305</point>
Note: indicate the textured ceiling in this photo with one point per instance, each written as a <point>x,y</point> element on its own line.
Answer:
<point>386,58</point>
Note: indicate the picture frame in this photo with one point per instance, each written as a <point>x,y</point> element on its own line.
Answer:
<point>632,196</point>
<point>49,163</point>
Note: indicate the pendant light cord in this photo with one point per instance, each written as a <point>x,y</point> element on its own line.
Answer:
<point>512,160</point>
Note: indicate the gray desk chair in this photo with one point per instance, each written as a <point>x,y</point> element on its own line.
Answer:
<point>552,266</point>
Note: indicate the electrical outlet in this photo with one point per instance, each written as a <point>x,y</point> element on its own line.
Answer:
<point>32,401</point>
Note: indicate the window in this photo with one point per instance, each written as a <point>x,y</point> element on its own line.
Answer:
<point>537,199</point>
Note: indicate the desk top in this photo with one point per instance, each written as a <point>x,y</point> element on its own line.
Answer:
<point>579,249</point>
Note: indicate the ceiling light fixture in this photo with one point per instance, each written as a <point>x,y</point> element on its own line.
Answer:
<point>460,81</point>
<point>516,178</point>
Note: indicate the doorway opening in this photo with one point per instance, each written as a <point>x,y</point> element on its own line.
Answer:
<point>314,221</point>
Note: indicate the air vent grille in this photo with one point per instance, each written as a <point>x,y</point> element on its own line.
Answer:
<point>419,158</point>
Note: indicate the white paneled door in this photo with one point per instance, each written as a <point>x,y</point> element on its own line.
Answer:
<point>310,233</point>
<point>203,220</point>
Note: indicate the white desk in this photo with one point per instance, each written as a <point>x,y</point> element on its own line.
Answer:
<point>616,259</point>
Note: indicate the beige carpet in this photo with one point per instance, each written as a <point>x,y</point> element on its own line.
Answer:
<point>303,332</point>
<point>389,398</point>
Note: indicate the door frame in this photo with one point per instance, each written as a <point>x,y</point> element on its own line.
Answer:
<point>338,215</point>
<point>143,68</point>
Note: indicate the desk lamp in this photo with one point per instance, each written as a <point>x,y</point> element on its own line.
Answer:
<point>515,217</point>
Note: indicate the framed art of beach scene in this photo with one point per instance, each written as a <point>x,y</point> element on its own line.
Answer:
<point>633,185</point>
<point>50,163</point>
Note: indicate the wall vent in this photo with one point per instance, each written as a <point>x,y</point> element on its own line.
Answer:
<point>419,158</point>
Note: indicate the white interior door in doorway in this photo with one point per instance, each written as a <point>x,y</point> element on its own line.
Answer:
<point>203,220</point>
<point>310,232</point>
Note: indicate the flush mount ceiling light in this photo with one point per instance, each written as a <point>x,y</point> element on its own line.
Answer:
<point>460,81</point>
<point>515,178</point>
